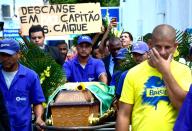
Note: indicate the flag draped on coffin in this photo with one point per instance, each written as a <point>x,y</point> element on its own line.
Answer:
<point>101,91</point>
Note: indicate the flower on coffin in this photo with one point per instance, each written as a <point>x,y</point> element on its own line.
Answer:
<point>81,86</point>
<point>46,73</point>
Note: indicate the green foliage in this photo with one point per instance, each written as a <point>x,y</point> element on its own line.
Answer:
<point>104,3</point>
<point>107,3</point>
<point>75,40</point>
<point>62,1</point>
<point>127,63</point>
<point>184,40</point>
<point>112,32</point>
<point>34,58</point>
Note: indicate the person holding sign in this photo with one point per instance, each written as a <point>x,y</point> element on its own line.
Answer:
<point>83,67</point>
<point>37,36</point>
<point>62,19</point>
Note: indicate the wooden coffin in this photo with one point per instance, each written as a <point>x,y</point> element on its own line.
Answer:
<point>73,108</point>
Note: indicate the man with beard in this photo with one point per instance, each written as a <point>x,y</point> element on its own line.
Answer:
<point>20,87</point>
<point>154,90</point>
<point>63,48</point>
<point>83,67</point>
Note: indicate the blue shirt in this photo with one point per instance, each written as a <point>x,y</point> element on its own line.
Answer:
<point>111,65</point>
<point>115,78</point>
<point>184,119</point>
<point>120,83</point>
<point>25,90</point>
<point>76,73</point>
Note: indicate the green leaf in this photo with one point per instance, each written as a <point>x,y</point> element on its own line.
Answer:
<point>34,58</point>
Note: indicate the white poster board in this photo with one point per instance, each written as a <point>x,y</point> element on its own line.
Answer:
<point>62,19</point>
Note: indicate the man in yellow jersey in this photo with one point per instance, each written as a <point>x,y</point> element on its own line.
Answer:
<point>154,90</point>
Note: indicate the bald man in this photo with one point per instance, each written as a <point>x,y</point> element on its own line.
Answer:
<point>154,90</point>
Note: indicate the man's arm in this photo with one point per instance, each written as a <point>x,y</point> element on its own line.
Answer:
<point>103,78</point>
<point>103,45</point>
<point>175,92</point>
<point>24,37</point>
<point>124,117</point>
<point>67,70</point>
<point>38,110</point>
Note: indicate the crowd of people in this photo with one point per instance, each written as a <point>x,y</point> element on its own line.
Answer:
<point>149,96</point>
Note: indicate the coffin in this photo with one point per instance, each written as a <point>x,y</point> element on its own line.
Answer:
<point>73,108</point>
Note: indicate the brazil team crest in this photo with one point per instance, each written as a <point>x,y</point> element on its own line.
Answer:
<point>154,91</point>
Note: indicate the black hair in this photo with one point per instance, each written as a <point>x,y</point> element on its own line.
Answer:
<point>130,35</point>
<point>112,39</point>
<point>35,28</point>
<point>148,35</point>
<point>60,42</point>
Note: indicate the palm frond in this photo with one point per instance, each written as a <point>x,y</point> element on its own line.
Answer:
<point>34,58</point>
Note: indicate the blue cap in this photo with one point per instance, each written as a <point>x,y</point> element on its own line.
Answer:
<point>139,47</point>
<point>84,39</point>
<point>122,54</point>
<point>9,46</point>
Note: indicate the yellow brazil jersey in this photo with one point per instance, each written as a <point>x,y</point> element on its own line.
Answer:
<point>144,88</point>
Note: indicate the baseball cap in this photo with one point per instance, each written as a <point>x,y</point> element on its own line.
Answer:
<point>122,54</point>
<point>139,47</point>
<point>9,46</point>
<point>84,38</point>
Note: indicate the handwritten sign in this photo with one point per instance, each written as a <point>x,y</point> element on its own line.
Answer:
<point>62,19</point>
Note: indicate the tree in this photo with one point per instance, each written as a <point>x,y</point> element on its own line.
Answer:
<point>103,2</point>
